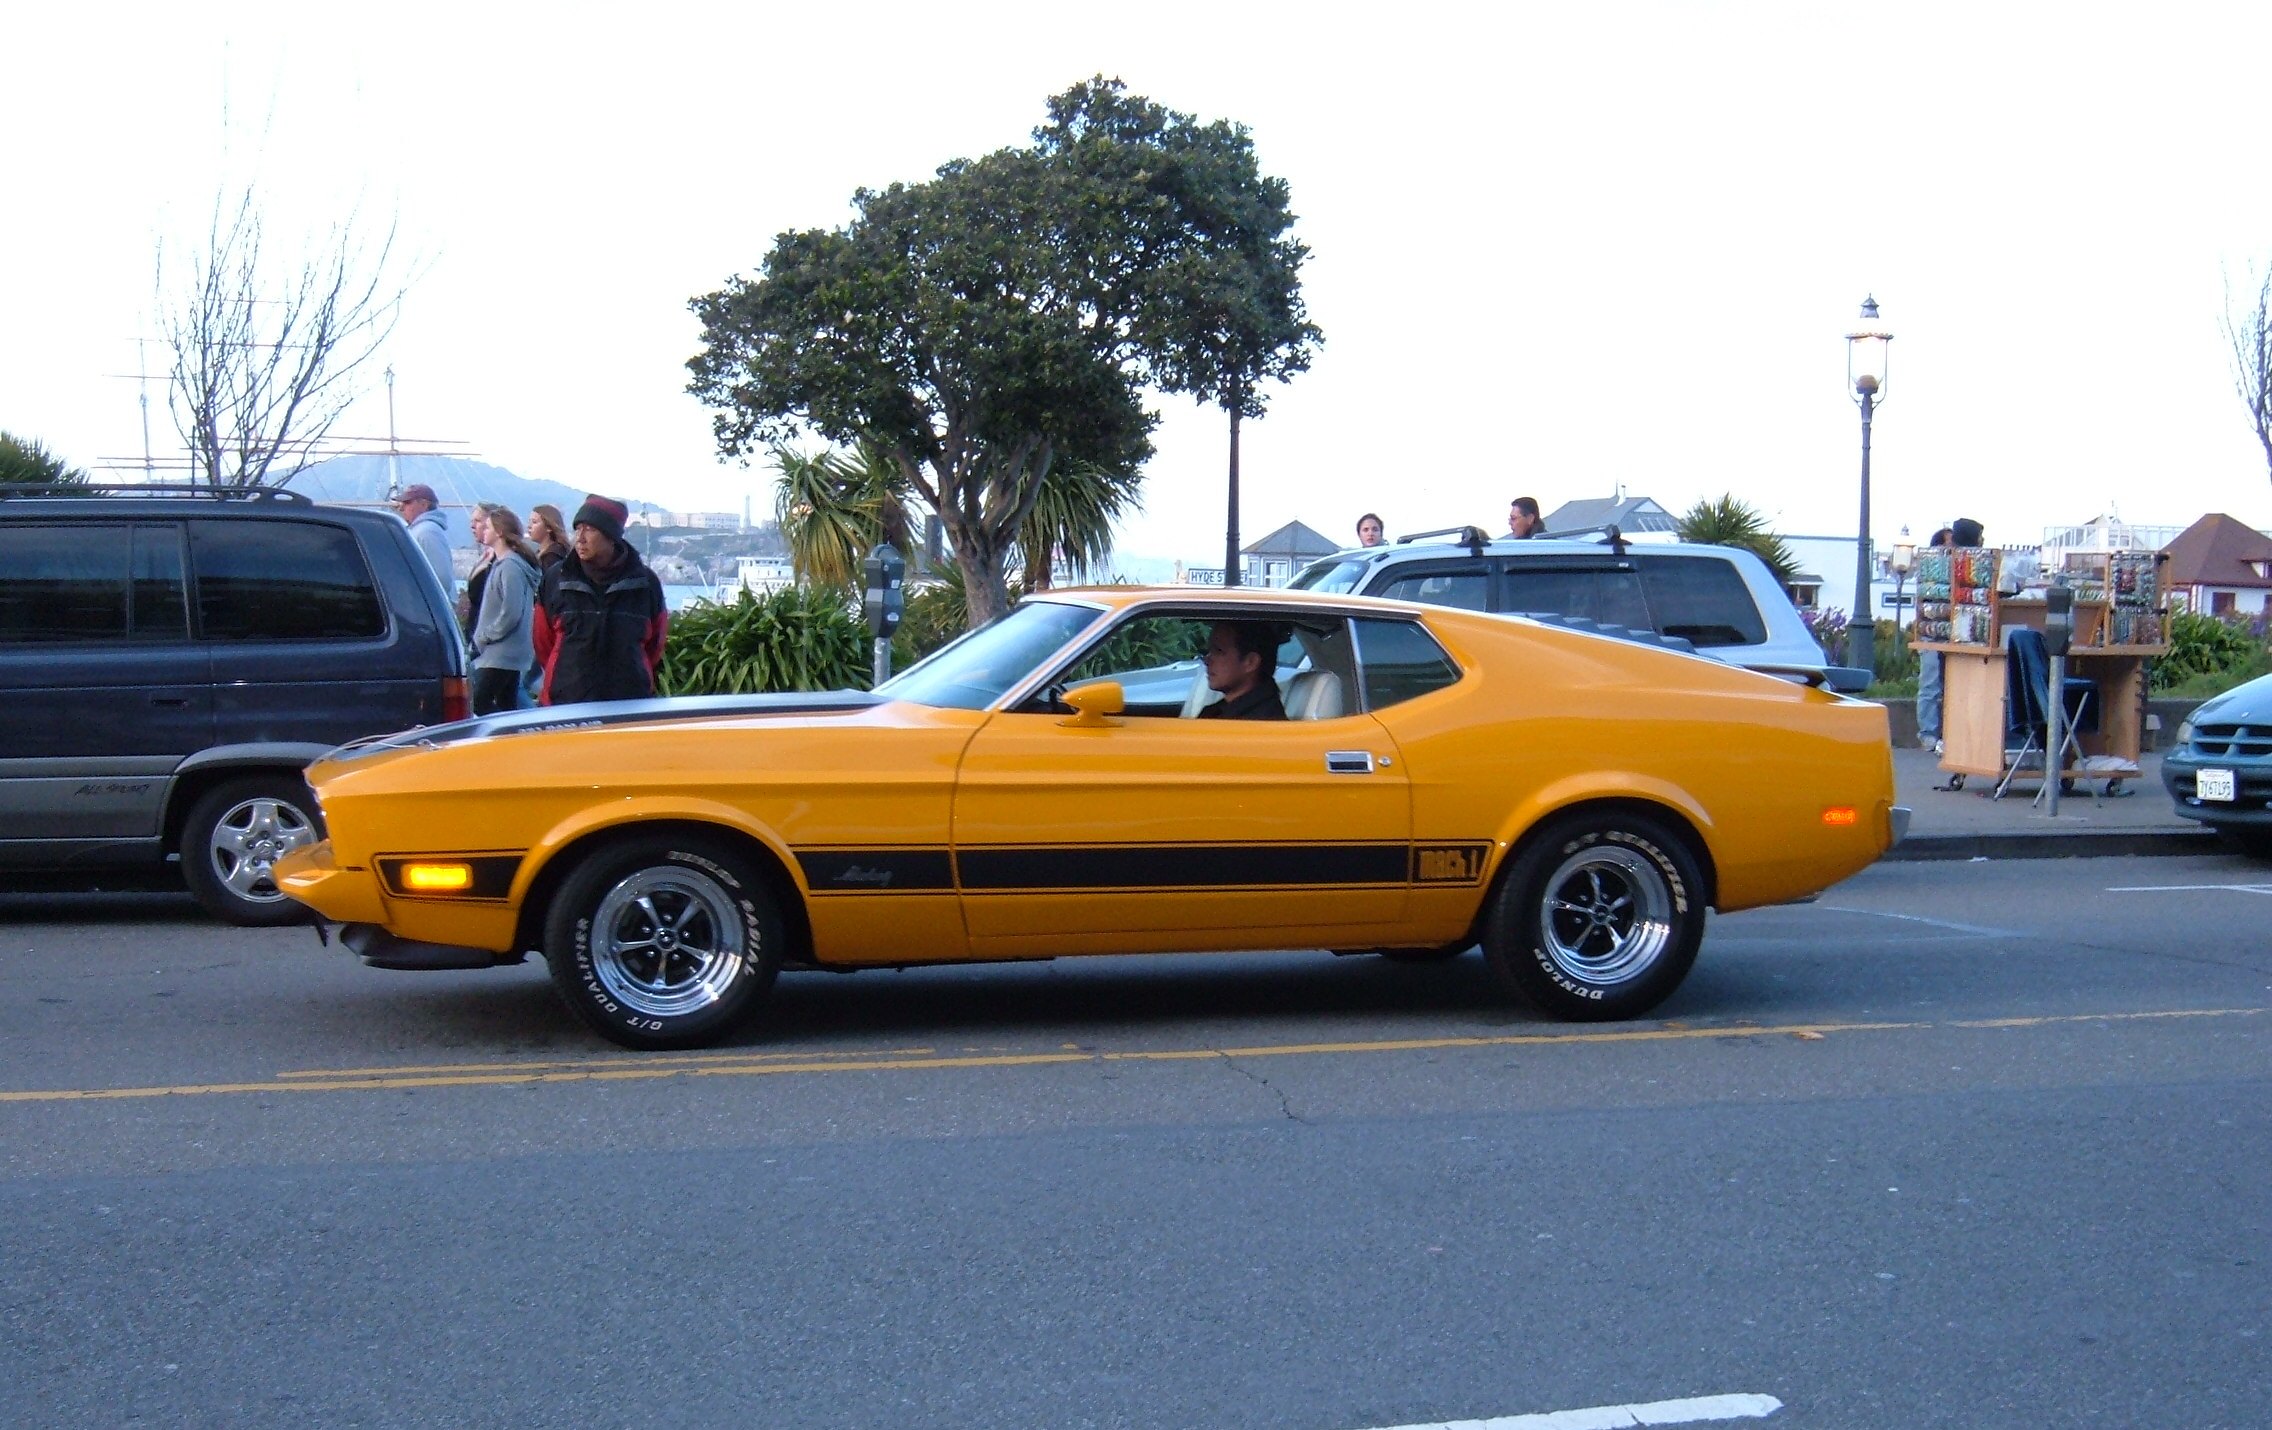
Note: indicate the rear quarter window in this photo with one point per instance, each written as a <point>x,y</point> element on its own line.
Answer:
<point>1401,661</point>
<point>279,580</point>
<point>1607,595</point>
<point>1702,599</point>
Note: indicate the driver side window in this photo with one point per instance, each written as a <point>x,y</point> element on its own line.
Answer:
<point>1154,658</point>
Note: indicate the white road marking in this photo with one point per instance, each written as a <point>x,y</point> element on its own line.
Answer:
<point>2190,888</point>
<point>1921,919</point>
<point>1619,1417</point>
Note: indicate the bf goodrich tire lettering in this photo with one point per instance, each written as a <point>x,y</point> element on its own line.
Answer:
<point>663,943</point>
<point>1599,918</point>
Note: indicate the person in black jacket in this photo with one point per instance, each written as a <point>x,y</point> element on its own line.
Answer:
<point>601,617</point>
<point>1523,520</point>
<point>1242,667</point>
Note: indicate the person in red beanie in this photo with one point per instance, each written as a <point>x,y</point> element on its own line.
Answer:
<point>601,617</point>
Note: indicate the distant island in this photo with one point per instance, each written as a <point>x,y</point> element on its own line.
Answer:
<point>680,555</point>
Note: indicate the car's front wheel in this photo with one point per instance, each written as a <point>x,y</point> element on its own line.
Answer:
<point>663,942</point>
<point>1599,918</point>
<point>230,842</point>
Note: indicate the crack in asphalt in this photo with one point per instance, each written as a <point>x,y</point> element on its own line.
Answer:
<point>1285,1104</point>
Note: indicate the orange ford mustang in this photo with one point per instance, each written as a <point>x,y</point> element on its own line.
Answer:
<point>1572,801</point>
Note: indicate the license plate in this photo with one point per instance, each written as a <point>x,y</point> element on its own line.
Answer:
<point>2216,785</point>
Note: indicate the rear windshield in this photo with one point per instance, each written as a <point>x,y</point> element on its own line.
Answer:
<point>1703,599</point>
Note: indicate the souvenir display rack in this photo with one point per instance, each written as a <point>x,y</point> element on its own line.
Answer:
<point>2118,628</point>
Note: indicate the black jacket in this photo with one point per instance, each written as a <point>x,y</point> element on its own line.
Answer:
<point>600,642</point>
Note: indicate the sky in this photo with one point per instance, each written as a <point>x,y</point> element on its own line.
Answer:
<point>1557,249</point>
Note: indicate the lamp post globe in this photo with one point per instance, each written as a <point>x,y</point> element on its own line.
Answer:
<point>1867,349</point>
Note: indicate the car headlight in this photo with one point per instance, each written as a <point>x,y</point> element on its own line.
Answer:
<point>2185,732</point>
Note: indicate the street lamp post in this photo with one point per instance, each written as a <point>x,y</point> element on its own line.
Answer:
<point>1904,557</point>
<point>1866,351</point>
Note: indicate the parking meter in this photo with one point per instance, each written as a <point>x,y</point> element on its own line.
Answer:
<point>884,574</point>
<point>2058,636</point>
<point>2058,618</point>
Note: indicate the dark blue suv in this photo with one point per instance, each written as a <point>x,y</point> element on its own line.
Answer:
<point>170,662</point>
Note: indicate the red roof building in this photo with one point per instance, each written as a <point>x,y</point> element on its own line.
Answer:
<point>2220,566</point>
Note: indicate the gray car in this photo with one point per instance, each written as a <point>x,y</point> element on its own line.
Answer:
<point>2220,770</point>
<point>1722,601</point>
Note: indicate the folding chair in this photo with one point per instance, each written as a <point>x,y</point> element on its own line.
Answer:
<point>2027,680</point>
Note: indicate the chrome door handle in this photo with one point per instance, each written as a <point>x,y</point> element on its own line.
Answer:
<point>1348,762</point>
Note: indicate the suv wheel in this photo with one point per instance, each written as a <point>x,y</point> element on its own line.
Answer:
<point>232,839</point>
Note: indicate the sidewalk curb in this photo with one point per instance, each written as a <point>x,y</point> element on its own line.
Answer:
<point>2091,844</point>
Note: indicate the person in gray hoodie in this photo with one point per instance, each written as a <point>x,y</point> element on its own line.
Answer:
<point>418,505</point>
<point>504,642</point>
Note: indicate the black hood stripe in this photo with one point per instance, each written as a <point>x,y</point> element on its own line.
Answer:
<point>599,713</point>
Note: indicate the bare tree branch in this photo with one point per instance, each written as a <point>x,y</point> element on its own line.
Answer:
<point>264,362</point>
<point>2249,330</point>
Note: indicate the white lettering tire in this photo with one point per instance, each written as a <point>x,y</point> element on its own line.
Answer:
<point>663,942</point>
<point>1599,918</point>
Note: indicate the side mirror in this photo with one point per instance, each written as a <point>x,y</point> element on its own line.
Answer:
<point>1092,703</point>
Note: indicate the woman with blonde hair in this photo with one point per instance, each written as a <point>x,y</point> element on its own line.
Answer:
<point>504,633</point>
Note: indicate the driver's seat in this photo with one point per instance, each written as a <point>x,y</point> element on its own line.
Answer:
<point>1314,695</point>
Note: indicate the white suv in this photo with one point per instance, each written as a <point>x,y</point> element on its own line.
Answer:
<point>1721,601</point>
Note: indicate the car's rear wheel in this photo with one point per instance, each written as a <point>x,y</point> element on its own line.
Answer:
<point>1599,918</point>
<point>230,842</point>
<point>663,942</point>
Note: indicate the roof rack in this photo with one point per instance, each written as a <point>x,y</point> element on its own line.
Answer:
<point>143,489</point>
<point>1471,537</point>
<point>1607,531</point>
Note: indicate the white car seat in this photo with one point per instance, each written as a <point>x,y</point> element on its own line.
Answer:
<point>1314,695</point>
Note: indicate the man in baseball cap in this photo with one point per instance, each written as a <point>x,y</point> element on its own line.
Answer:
<point>601,617</point>
<point>417,505</point>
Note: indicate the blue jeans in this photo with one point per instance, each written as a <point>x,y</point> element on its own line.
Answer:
<point>1928,695</point>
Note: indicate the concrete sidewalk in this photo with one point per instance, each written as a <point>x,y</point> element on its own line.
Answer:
<point>1967,824</point>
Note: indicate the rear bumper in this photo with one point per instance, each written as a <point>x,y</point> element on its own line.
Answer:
<point>1897,824</point>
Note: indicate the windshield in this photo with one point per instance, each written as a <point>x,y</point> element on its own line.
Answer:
<point>973,671</point>
<point>1331,576</point>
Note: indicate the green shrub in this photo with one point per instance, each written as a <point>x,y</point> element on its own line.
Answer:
<point>796,638</point>
<point>2204,646</point>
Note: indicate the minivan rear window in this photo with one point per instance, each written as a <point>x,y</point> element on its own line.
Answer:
<point>73,584</point>
<point>1702,599</point>
<point>282,581</point>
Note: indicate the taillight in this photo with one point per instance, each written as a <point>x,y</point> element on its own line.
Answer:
<point>455,705</point>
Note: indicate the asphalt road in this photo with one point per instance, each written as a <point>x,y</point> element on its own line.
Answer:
<point>1961,1144</point>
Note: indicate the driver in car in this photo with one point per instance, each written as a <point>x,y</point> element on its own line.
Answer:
<point>1242,659</point>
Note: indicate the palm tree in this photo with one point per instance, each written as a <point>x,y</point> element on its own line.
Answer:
<point>835,506</point>
<point>1072,520</point>
<point>1729,522</point>
<point>23,460</point>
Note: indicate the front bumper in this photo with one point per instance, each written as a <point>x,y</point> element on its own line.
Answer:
<point>2251,807</point>
<point>345,896</point>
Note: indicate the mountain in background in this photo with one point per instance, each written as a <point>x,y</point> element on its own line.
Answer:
<point>458,481</point>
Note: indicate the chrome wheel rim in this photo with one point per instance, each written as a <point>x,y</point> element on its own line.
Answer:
<point>1608,915</point>
<point>666,942</point>
<point>247,841</point>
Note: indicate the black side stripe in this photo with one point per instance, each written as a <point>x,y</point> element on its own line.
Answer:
<point>1141,868</point>
<point>1185,866</point>
<point>877,871</point>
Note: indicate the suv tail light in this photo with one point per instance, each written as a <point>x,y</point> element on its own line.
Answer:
<point>455,705</point>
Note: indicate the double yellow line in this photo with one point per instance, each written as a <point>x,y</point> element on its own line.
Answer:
<point>743,1064</point>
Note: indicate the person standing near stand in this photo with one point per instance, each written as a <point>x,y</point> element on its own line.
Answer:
<point>601,617</point>
<point>1929,678</point>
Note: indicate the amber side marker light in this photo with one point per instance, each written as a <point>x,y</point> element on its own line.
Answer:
<point>437,878</point>
<point>1839,815</point>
